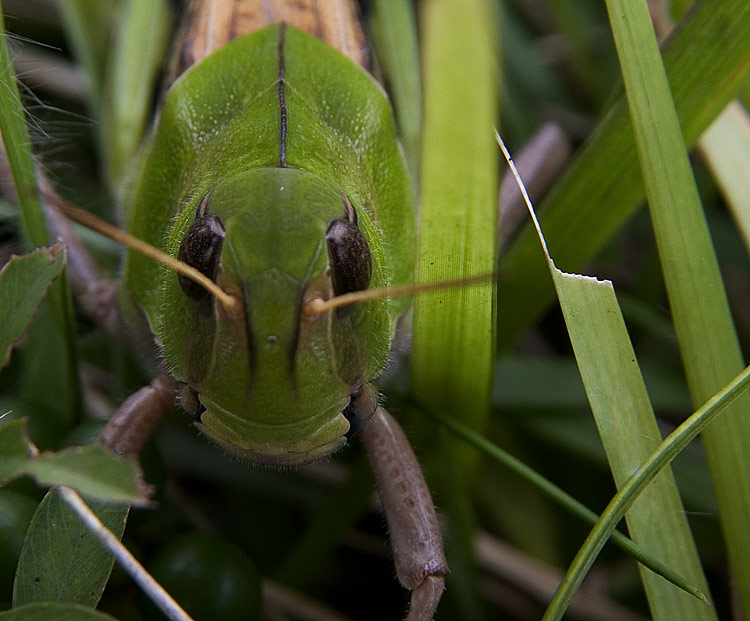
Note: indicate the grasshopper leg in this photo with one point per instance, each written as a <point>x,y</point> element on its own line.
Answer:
<point>132,423</point>
<point>412,523</point>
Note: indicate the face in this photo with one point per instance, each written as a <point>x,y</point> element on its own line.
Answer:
<point>274,380</point>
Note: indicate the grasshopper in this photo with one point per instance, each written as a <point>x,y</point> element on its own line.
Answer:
<point>273,170</point>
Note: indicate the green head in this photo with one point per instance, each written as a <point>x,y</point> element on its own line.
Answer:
<point>273,380</point>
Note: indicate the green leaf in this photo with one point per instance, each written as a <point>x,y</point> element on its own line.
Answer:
<point>60,560</point>
<point>92,470</point>
<point>24,282</point>
<point>706,61</point>
<point>634,486</point>
<point>53,612</point>
<point>453,343</point>
<point>50,376</point>
<point>629,432</point>
<point>708,342</point>
<point>138,56</point>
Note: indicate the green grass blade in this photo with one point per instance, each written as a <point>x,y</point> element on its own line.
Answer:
<point>453,343</point>
<point>706,334</point>
<point>395,36</point>
<point>17,145</point>
<point>628,429</point>
<point>562,498</point>
<point>87,26</point>
<point>633,487</point>
<point>629,432</point>
<point>138,56</point>
<point>706,60</point>
<point>50,380</point>
<point>452,355</point>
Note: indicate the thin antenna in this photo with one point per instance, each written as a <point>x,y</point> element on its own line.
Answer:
<point>316,306</point>
<point>126,239</point>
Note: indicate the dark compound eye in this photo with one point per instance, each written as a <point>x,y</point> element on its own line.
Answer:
<point>348,257</point>
<point>201,248</point>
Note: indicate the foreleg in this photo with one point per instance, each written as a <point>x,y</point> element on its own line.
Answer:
<point>132,423</point>
<point>412,523</point>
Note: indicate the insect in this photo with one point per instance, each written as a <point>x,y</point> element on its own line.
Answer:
<point>603,181</point>
<point>274,170</point>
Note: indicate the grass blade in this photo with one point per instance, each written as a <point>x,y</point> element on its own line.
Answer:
<point>132,75</point>
<point>453,343</point>
<point>629,432</point>
<point>706,334</point>
<point>50,380</point>
<point>629,492</point>
<point>395,35</point>
<point>603,187</point>
<point>628,428</point>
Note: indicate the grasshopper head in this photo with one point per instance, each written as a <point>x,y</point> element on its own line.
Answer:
<point>274,381</point>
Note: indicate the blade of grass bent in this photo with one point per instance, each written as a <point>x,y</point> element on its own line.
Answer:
<point>706,59</point>
<point>628,429</point>
<point>706,334</point>
<point>632,488</point>
<point>558,495</point>
<point>629,433</point>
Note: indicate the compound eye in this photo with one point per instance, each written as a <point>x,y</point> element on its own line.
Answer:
<point>201,249</point>
<point>348,257</point>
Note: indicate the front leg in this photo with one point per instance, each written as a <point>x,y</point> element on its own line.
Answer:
<point>133,422</point>
<point>412,523</point>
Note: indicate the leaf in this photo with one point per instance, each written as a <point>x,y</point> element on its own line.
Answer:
<point>92,470</point>
<point>708,341</point>
<point>53,612</point>
<point>24,282</point>
<point>50,367</point>
<point>453,334</point>
<point>60,560</point>
<point>629,432</point>
<point>706,59</point>
<point>669,448</point>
